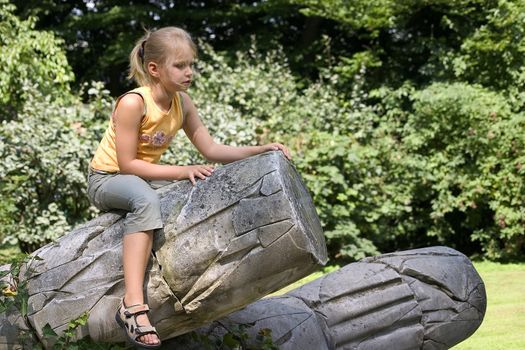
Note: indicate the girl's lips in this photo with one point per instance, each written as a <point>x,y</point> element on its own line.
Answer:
<point>185,84</point>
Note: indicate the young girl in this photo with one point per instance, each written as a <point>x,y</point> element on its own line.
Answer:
<point>125,165</point>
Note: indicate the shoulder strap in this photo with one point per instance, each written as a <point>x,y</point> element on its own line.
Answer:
<point>124,94</point>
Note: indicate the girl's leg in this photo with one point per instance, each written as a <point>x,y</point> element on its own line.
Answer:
<point>134,195</point>
<point>135,255</point>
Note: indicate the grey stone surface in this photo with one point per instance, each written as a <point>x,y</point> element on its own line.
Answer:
<point>249,229</point>
<point>429,298</point>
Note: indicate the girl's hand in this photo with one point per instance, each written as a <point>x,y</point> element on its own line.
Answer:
<point>192,172</point>
<point>275,146</point>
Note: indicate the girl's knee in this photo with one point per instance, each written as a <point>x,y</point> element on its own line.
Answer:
<point>145,213</point>
<point>146,201</point>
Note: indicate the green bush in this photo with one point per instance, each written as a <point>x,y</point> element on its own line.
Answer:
<point>442,165</point>
<point>361,185</point>
<point>44,155</point>
<point>471,145</point>
<point>44,140</point>
<point>438,166</point>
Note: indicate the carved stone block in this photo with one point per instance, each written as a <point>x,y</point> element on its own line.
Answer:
<point>247,230</point>
<point>429,298</point>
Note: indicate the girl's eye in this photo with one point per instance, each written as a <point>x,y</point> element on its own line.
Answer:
<point>183,65</point>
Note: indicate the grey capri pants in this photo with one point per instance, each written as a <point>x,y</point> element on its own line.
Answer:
<point>108,191</point>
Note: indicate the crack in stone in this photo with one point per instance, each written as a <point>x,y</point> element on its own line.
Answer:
<point>288,334</point>
<point>76,257</point>
<point>78,272</point>
<point>267,225</point>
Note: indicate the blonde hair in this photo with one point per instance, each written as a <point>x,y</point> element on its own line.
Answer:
<point>155,46</point>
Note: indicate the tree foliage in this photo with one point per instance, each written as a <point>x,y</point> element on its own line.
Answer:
<point>29,59</point>
<point>100,34</point>
<point>405,118</point>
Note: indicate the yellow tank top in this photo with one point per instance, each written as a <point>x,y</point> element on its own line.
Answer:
<point>156,131</point>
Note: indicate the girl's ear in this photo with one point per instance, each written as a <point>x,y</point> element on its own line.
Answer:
<point>153,69</point>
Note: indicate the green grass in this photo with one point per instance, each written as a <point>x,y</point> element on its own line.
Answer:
<point>8,253</point>
<point>504,325</point>
<point>309,278</point>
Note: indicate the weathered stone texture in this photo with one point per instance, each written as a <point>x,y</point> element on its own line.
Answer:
<point>247,230</point>
<point>429,298</point>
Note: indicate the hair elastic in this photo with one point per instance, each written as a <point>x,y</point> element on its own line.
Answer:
<point>141,51</point>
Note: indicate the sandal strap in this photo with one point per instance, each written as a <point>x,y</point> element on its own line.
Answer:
<point>141,330</point>
<point>135,309</point>
<point>126,317</point>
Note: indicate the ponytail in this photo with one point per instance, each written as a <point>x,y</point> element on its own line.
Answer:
<point>137,70</point>
<point>155,47</point>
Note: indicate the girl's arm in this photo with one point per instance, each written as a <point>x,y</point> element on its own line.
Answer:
<point>214,152</point>
<point>127,119</point>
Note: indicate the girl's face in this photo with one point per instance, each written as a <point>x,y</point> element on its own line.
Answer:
<point>177,72</point>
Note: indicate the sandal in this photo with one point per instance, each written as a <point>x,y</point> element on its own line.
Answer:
<point>126,317</point>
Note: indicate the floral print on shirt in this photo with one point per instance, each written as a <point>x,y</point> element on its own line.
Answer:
<point>158,139</point>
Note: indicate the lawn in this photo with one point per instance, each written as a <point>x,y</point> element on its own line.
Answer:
<point>504,325</point>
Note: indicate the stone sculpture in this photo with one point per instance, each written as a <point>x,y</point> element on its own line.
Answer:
<point>429,298</point>
<point>244,232</point>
